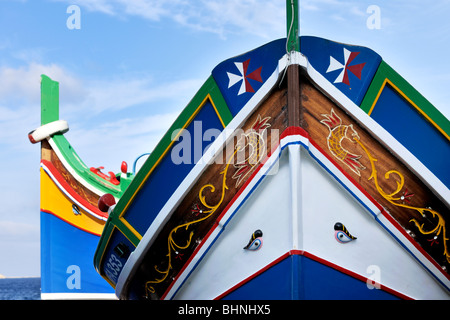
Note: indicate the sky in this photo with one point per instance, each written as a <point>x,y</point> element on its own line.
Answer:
<point>133,65</point>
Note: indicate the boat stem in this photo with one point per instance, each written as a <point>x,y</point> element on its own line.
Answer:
<point>293,76</point>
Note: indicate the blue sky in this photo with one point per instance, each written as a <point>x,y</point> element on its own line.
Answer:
<point>134,64</point>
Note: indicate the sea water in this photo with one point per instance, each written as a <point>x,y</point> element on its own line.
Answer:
<point>20,289</point>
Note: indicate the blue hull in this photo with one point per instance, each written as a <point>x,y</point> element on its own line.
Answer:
<point>66,259</point>
<point>300,278</point>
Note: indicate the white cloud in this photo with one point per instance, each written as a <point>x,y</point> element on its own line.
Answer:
<point>113,95</point>
<point>20,91</point>
<point>123,140</point>
<point>115,117</point>
<point>19,246</point>
<point>263,18</point>
<point>22,83</point>
<point>152,10</point>
<point>103,6</point>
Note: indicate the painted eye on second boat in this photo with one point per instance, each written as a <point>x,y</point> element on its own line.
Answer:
<point>342,237</point>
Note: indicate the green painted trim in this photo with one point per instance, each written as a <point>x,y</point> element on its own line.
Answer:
<point>219,101</point>
<point>387,73</point>
<point>50,113</point>
<point>75,162</point>
<point>49,100</point>
<point>292,33</point>
<point>208,88</point>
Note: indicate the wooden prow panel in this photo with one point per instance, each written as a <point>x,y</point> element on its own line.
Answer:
<point>402,195</point>
<point>384,177</point>
<point>48,154</point>
<point>211,194</point>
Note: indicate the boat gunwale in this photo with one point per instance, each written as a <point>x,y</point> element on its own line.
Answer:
<point>331,92</point>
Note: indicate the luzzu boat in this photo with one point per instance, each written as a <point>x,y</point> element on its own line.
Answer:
<point>71,221</point>
<point>304,169</point>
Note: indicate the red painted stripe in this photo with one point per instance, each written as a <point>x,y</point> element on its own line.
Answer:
<point>68,222</point>
<point>394,223</point>
<point>319,260</point>
<point>241,283</point>
<point>290,131</point>
<point>67,188</point>
<point>216,223</point>
<point>354,275</point>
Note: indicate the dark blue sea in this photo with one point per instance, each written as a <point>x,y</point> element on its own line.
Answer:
<point>20,289</point>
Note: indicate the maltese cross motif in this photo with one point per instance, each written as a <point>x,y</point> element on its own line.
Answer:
<point>244,76</point>
<point>356,69</point>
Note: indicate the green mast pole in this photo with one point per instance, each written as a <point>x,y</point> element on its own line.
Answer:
<point>292,25</point>
<point>293,69</point>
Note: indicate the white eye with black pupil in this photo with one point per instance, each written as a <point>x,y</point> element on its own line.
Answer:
<point>342,237</point>
<point>256,244</point>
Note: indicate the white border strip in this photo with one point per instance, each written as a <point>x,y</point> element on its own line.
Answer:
<point>249,188</point>
<point>376,130</point>
<point>367,203</point>
<point>73,171</point>
<point>228,133</point>
<point>67,194</point>
<point>330,91</point>
<point>78,296</point>
<point>393,229</point>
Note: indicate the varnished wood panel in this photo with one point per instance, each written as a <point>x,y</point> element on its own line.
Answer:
<point>380,173</point>
<point>203,204</point>
<point>47,153</point>
<point>197,213</point>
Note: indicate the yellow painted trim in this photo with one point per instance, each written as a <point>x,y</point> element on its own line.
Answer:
<point>55,201</point>
<point>208,96</point>
<point>172,245</point>
<point>410,101</point>
<point>377,97</point>
<point>194,114</point>
<point>130,227</point>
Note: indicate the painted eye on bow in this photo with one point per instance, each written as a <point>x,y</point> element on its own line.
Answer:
<point>255,245</point>
<point>255,242</point>
<point>342,237</point>
<point>341,233</point>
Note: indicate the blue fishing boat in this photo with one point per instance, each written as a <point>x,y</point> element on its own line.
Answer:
<point>302,169</point>
<point>70,219</point>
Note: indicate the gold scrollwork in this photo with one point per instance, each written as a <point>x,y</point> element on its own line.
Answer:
<point>255,139</point>
<point>394,199</point>
<point>172,246</point>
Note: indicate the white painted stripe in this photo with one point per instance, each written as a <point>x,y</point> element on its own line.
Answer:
<point>337,96</point>
<point>73,172</point>
<point>374,128</point>
<point>78,296</point>
<point>226,135</point>
<point>67,194</point>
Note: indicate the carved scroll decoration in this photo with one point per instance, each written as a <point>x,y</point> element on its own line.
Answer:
<point>337,133</point>
<point>253,139</point>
